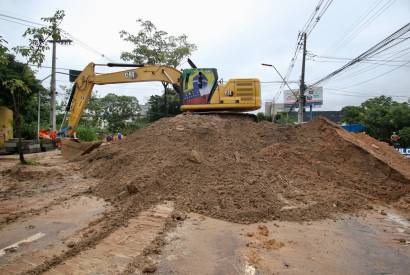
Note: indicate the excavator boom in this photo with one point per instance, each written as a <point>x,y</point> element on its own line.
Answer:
<point>86,80</point>
<point>198,89</point>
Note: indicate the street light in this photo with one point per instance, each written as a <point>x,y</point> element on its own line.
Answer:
<point>283,79</point>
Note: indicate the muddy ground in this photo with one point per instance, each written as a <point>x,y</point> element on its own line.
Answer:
<point>59,217</point>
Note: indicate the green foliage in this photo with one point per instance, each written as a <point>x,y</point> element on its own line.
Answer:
<point>112,114</point>
<point>32,162</point>
<point>118,111</point>
<point>135,125</point>
<point>38,45</point>
<point>405,137</point>
<point>162,106</point>
<point>28,113</point>
<point>284,118</point>
<point>352,114</point>
<point>87,134</point>
<point>153,46</point>
<point>262,117</point>
<point>3,51</point>
<point>381,115</point>
<point>16,86</point>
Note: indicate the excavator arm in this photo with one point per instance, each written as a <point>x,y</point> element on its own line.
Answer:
<point>86,80</point>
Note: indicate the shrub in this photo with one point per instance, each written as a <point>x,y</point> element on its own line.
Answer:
<point>405,137</point>
<point>86,133</point>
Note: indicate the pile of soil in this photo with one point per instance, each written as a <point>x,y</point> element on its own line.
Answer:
<point>238,170</point>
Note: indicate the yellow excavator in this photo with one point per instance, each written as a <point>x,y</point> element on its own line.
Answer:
<point>198,88</point>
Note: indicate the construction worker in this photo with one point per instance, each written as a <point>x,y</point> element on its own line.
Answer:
<point>395,140</point>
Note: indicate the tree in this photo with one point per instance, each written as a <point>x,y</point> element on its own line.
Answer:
<point>284,118</point>
<point>262,117</point>
<point>35,54</point>
<point>38,45</point>
<point>380,115</point>
<point>113,112</point>
<point>405,137</point>
<point>13,69</point>
<point>352,114</point>
<point>153,46</point>
<point>161,106</point>
<point>3,51</point>
<point>18,89</point>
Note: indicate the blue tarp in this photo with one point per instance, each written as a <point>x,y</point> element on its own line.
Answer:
<point>355,128</point>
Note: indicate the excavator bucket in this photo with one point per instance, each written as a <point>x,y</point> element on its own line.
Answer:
<point>73,149</point>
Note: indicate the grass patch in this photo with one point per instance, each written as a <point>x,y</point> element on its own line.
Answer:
<point>31,162</point>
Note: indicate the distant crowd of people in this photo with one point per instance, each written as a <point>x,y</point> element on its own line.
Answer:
<point>114,137</point>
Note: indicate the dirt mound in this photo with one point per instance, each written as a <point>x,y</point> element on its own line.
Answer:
<point>241,171</point>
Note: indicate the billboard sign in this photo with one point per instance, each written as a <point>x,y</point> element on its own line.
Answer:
<point>314,96</point>
<point>404,151</point>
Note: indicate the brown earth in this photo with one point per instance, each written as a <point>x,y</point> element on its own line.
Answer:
<point>232,169</point>
<point>238,170</point>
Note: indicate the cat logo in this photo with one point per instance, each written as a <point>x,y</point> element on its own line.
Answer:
<point>228,93</point>
<point>130,75</point>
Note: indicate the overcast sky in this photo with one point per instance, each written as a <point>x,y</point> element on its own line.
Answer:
<point>236,37</point>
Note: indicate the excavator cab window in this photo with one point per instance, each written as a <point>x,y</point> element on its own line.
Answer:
<point>198,85</point>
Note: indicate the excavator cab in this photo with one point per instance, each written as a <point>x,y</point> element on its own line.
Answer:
<point>198,85</point>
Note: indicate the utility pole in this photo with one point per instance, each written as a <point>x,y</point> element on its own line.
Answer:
<point>56,39</point>
<point>302,83</point>
<point>53,88</point>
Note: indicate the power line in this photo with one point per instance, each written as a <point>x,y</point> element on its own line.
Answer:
<point>23,20</point>
<point>67,34</point>
<point>307,27</point>
<point>369,53</point>
<point>353,93</point>
<point>86,46</point>
<point>378,76</point>
<point>361,24</point>
<point>326,6</point>
<point>372,66</point>
<point>313,57</point>
<point>48,67</point>
<point>23,24</point>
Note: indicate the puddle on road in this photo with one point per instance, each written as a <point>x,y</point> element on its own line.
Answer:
<point>54,227</point>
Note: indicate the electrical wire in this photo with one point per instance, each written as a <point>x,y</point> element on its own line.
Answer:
<point>326,6</point>
<point>377,76</point>
<point>64,32</point>
<point>308,27</point>
<point>353,93</point>
<point>361,24</point>
<point>368,53</point>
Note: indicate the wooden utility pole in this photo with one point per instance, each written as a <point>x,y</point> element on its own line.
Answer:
<point>53,75</point>
<point>53,89</point>
<point>302,83</point>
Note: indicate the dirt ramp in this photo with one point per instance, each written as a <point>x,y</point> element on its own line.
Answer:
<point>241,171</point>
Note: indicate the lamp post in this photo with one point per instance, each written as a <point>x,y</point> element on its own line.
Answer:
<point>283,79</point>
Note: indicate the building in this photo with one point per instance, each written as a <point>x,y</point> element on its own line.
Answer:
<point>335,116</point>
